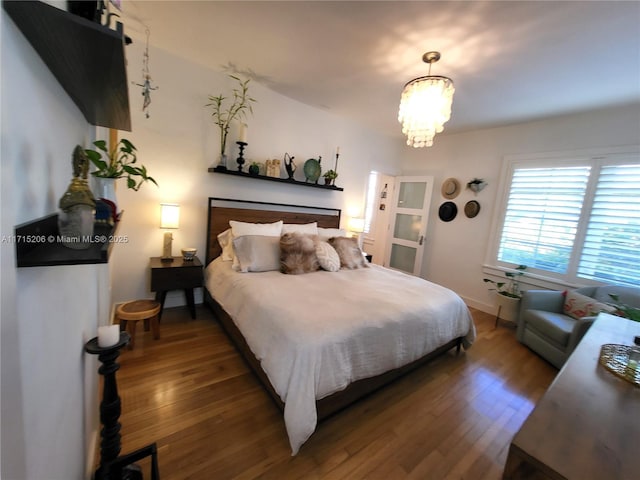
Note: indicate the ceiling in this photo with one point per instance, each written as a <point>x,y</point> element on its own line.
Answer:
<point>510,61</point>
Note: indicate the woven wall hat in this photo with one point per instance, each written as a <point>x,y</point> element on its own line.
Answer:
<point>450,188</point>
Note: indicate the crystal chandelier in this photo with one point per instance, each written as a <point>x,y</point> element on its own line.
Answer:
<point>425,105</point>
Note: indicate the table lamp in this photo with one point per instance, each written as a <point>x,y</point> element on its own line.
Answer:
<point>169,219</point>
<point>356,225</point>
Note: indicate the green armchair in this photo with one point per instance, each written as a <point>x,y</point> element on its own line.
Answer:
<point>546,328</point>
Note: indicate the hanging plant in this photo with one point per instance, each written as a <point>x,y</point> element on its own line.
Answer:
<point>476,185</point>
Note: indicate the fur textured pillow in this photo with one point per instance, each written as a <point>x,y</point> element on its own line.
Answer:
<point>350,254</point>
<point>328,258</point>
<point>298,253</point>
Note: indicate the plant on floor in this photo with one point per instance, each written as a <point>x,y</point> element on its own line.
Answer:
<point>510,288</point>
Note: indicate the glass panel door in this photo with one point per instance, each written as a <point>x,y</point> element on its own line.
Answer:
<point>409,223</point>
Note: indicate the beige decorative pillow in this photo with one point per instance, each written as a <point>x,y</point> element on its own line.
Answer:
<point>298,253</point>
<point>577,306</point>
<point>240,229</point>
<point>328,258</point>
<point>350,254</point>
<point>257,253</point>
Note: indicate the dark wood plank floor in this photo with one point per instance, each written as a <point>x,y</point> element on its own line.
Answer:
<point>191,393</point>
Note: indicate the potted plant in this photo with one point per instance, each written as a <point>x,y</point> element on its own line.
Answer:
<point>222,117</point>
<point>329,176</point>
<point>117,163</point>
<point>509,294</point>
<point>254,168</point>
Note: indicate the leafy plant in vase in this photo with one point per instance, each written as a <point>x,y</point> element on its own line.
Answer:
<point>222,117</point>
<point>120,162</point>
<point>329,176</point>
<point>509,293</point>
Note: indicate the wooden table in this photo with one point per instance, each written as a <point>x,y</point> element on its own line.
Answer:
<point>587,425</point>
<point>179,274</point>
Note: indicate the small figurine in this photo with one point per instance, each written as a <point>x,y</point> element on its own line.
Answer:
<point>290,166</point>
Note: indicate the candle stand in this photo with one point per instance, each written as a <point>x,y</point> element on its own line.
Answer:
<point>112,465</point>
<point>240,158</point>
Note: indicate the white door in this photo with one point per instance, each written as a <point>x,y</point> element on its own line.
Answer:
<point>408,228</point>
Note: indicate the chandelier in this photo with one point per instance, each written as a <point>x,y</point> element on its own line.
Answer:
<point>425,105</point>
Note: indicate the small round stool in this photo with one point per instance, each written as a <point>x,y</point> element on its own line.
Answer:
<point>129,313</point>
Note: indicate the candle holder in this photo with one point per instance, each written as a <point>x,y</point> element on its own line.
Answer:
<point>112,465</point>
<point>240,158</point>
<point>335,169</point>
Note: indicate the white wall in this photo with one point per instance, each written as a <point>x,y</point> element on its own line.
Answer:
<point>49,388</point>
<point>180,141</point>
<point>455,251</point>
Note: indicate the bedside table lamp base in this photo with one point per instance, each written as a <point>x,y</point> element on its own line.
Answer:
<point>167,247</point>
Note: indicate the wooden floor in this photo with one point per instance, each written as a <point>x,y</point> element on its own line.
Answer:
<point>191,393</point>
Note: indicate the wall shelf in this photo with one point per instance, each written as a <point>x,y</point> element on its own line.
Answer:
<point>37,244</point>
<point>86,58</point>
<point>236,173</point>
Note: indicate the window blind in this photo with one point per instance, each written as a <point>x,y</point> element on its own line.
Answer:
<point>542,217</point>
<point>611,251</point>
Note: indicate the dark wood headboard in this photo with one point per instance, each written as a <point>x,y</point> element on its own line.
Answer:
<point>221,210</point>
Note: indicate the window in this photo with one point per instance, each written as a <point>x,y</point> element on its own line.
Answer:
<point>573,218</point>
<point>371,201</point>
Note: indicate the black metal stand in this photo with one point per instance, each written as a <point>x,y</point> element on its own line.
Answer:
<point>112,466</point>
<point>240,158</point>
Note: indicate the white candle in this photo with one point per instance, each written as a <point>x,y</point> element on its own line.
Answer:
<point>243,132</point>
<point>338,151</point>
<point>108,335</point>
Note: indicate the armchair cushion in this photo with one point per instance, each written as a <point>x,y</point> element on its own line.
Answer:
<point>555,327</point>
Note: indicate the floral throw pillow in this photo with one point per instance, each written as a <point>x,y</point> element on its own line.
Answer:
<point>577,306</point>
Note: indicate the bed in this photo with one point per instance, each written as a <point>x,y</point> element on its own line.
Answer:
<point>319,341</point>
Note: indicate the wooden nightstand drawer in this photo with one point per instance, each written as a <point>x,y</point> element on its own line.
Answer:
<point>176,275</point>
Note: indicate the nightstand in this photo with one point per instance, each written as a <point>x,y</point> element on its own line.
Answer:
<point>176,275</point>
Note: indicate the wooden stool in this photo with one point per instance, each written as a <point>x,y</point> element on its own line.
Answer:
<point>129,313</point>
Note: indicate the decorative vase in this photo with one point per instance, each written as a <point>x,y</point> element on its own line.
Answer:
<point>223,161</point>
<point>254,169</point>
<point>327,181</point>
<point>106,188</point>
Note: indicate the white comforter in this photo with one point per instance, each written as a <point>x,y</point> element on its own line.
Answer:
<point>316,333</point>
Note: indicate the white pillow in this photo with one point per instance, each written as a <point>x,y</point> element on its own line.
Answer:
<point>327,233</point>
<point>328,258</point>
<point>240,229</point>
<point>257,253</point>
<point>225,240</point>
<point>307,228</point>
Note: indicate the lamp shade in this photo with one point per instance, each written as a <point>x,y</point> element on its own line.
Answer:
<point>356,225</point>
<point>169,215</point>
